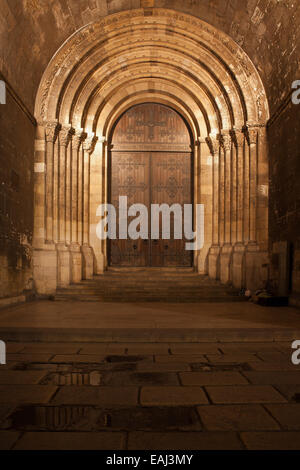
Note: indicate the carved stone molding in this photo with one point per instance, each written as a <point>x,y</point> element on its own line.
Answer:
<point>89,143</point>
<point>51,131</point>
<point>78,138</point>
<point>65,135</point>
<point>238,138</point>
<point>213,144</point>
<point>251,132</point>
<point>225,140</point>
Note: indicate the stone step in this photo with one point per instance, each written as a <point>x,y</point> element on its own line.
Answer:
<point>149,285</point>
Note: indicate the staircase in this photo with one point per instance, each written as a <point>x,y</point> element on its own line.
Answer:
<point>173,285</point>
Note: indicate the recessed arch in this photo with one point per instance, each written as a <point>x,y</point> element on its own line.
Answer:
<point>178,61</point>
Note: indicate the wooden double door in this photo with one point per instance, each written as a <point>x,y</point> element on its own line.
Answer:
<point>150,172</point>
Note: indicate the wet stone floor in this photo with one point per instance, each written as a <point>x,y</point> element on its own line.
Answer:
<point>117,396</point>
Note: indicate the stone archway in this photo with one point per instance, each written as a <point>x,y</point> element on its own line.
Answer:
<point>169,58</point>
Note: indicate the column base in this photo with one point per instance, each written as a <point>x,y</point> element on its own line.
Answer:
<point>202,261</point>
<point>87,262</point>
<point>63,265</point>
<point>45,270</point>
<point>238,266</point>
<point>76,263</point>
<point>225,263</point>
<point>100,263</point>
<point>214,262</point>
<point>256,267</point>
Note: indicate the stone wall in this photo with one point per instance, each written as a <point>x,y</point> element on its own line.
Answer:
<point>16,196</point>
<point>284,132</point>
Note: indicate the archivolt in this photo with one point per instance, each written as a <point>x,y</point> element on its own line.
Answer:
<point>128,57</point>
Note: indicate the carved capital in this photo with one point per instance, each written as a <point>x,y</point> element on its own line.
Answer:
<point>51,131</point>
<point>213,144</point>
<point>78,138</point>
<point>225,141</point>
<point>65,135</point>
<point>89,143</point>
<point>238,138</point>
<point>251,131</point>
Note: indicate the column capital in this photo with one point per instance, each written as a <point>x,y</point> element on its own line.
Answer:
<point>51,130</point>
<point>213,144</point>
<point>225,140</point>
<point>238,137</point>
<point>89,143</point>
<point>65,135</point>
<point>78,137</point>
<point>251,133</point>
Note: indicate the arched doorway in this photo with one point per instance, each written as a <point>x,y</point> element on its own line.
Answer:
<point>107,68</point>
<point>150,162</point>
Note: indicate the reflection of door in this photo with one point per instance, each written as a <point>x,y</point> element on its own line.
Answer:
<point>151,164</point>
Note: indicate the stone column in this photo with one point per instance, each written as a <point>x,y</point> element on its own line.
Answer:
<point>105,195</point>
<point>87,252</point>
<point>39,234</point>
<point>253,258</point>
<point>196,196</point>
<point>205,172</point>
<point>238,258</point>
<point>225,197</point>
<point>96,199</point>
<point>75,250</point>
<point>64,259</point>
<point>51,132</point>
<point>45,254</point>
<point>214,252</point>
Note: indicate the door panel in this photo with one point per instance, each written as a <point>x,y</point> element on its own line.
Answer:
<point>170,184</point>
<point>130,177</point>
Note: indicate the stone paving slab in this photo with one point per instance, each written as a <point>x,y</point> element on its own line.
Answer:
<point>26,393</point>
<point>172,396</point>
<point>52,348</point>
<point>70,358</point>
<point>196,348</point>
<point>232,358</point>
<point>29,357</point>
<point>12,348</point>
<point>145,348</point>
<point>279,366</point>
<point>8,439</point>
<point>273,377</point>
<point>183,441</point>
<point>247,347</point>
<point>188,358</point>
<point>244,394</point>
<point>212,378</point>
<point>106,396</point>
<point>274,357</point>
<point>119,379</point>
<point>236,418</point>
<point>163,367</point>
<point>71,441</point>
<point>271,440</point>
<point>16,377</point>
<point>290,391</point>
<point>287,415</point>
<point>4,411</point>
